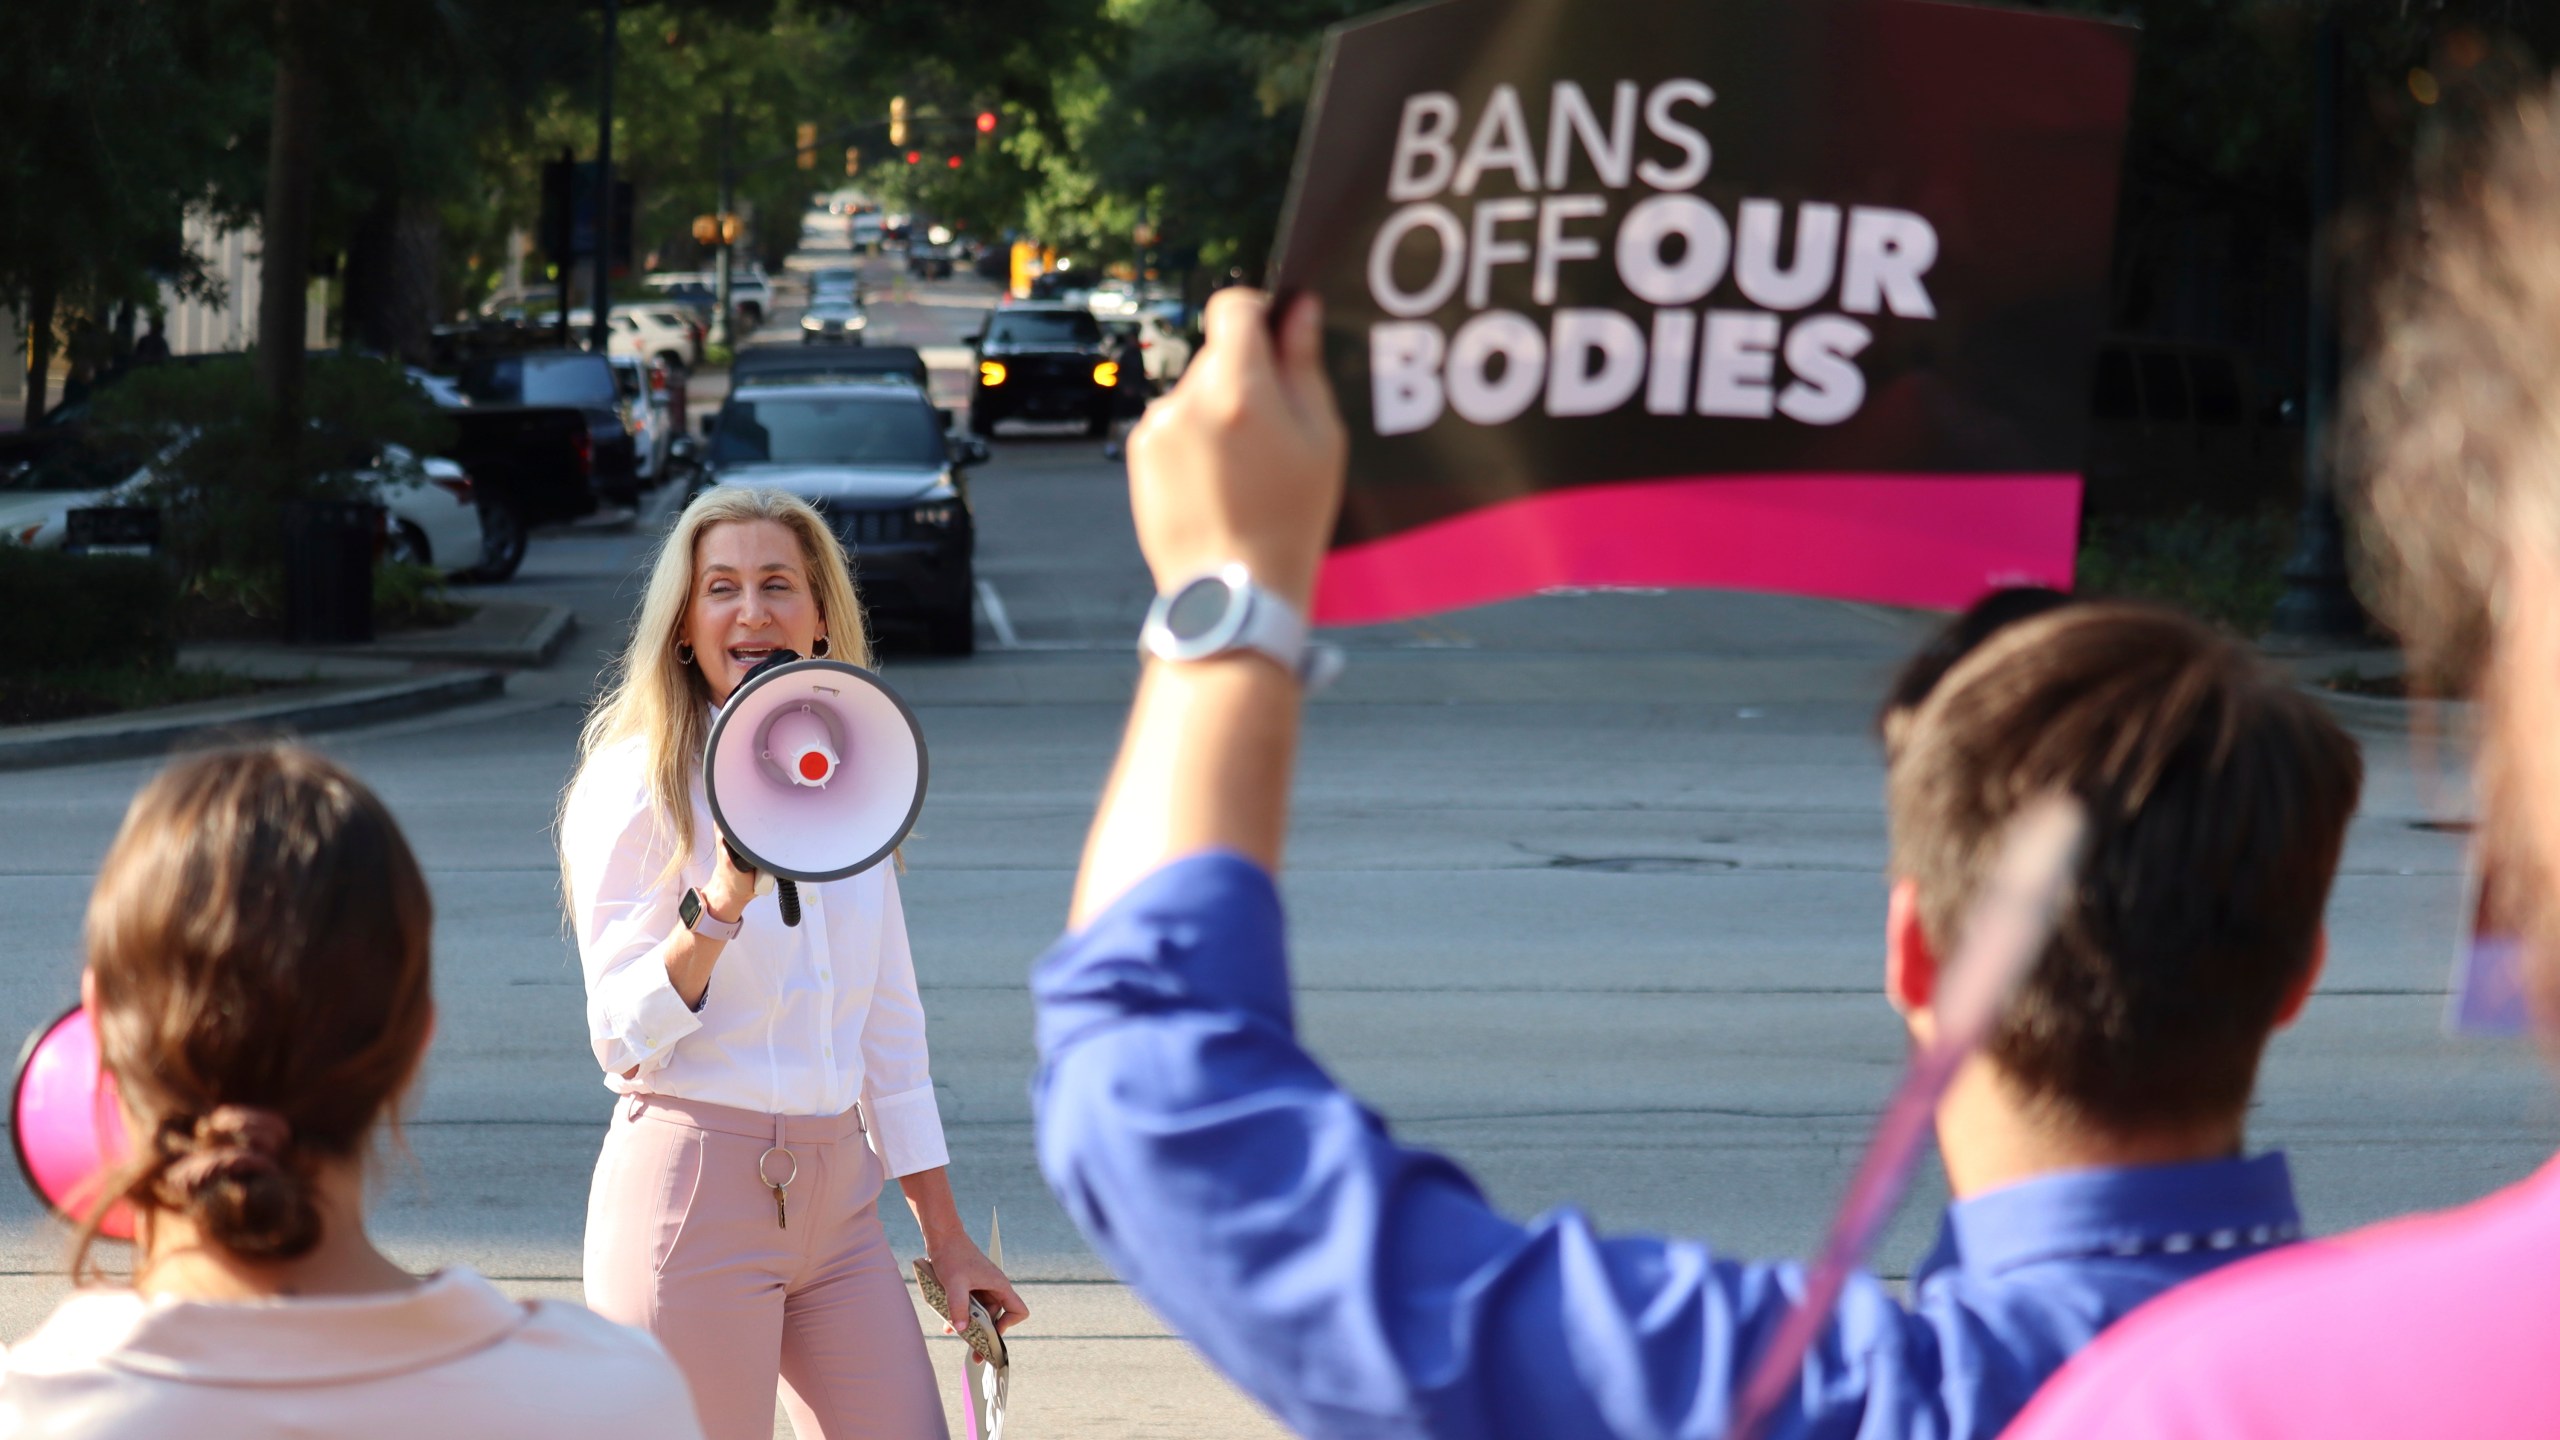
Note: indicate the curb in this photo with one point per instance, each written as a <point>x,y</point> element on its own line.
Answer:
<point>531,650</point>
<point>153,733</point>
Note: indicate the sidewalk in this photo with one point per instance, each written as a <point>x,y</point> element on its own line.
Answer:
<point>1093,1364</point>
<point>402,674</point>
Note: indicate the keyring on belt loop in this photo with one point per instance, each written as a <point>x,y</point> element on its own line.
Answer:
<point>785,1152</point>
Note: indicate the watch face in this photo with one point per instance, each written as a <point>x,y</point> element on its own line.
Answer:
<point>689,909</point>
<point>1198,607</point>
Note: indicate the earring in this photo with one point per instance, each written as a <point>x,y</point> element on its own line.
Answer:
<point>684,653</point>
<point>819,648</point>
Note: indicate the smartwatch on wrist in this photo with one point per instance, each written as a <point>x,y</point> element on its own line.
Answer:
<point>1223,612</point>
<point>697,917</point>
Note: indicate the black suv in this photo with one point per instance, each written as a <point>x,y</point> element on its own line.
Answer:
<point>571,379</point>
<point>1043,362</point>
<point>869,452</point>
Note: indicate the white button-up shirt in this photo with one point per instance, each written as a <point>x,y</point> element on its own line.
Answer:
<point>804,1020</point>
<point>450,1357</point>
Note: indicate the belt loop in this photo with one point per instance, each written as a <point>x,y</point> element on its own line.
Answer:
<point>632,1105</point>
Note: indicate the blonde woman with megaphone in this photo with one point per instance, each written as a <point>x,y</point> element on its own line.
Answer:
<point>771,1076</point>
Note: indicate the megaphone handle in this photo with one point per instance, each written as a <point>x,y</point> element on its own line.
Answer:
<point>787,895</point>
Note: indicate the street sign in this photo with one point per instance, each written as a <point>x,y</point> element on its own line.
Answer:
<point>1796,295</point>
<point>568,229</point>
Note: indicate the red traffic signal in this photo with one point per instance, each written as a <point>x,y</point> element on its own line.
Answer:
<point>955,162</point>
<point>914,155</point>
<point>986,122</point>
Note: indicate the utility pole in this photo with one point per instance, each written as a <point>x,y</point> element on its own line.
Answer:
<point>728,181</point>
<point>2317,607</point>
<point>285,226</point>
<point>568,238</point>
<point>600,333</point>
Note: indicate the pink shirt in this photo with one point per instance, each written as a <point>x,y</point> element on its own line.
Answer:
<point>451,1358</point>
<point>2438,1325</point>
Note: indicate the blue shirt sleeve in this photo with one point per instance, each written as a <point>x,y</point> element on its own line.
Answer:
<point>1359,1287</point>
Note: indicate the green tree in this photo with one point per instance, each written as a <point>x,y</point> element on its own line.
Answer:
<point>116,116</point>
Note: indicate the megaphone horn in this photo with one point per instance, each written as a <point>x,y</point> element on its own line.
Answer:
<point>65,1123</point>
<point>815,770</point>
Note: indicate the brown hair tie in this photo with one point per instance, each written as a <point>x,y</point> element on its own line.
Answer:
<point>233,1141</point>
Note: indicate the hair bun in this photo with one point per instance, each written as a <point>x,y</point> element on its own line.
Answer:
<point>231,1178</point>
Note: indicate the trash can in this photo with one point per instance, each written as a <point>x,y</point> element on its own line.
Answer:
<point>329,547</point>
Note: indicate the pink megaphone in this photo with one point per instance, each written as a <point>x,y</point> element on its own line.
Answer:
<point>65,1123</point>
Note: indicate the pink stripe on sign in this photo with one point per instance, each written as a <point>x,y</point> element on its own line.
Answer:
<point>1940,541</point>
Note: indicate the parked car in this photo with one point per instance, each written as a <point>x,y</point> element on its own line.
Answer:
<point>871,454</point>
<point>653,428</point>
<point>749,293</point>
<point>1165,351</point>
<point>431,509</point>
<point>1043,361</point>
<point>835,282</point>
<point>2173,426</point>
<point>865,232</point>
<point>833,322</point>
<point>576,380</point>
<point>530,465</point>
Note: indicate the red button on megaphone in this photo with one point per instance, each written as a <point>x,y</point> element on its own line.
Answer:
<point>65,1123</point>
<point>815,770</point>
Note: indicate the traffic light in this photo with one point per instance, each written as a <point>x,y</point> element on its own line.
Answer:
<point>898,122</point>
<point>914,155</point>
<point>955,162</point>
<point>808,146</point>
<point>852,160</point>
<point>986,122</point>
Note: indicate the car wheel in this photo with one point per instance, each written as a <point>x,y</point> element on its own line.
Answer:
<point>674,363</point>
<point>952,632</point>
<point>752,313</point>
<point>407,545</point>
<point>502,541</point>
<point>1098,424</point>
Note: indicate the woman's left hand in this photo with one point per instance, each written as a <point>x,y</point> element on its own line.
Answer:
<point>965,1270</point>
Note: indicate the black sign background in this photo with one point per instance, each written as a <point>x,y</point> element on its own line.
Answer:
<point>2002,129</point>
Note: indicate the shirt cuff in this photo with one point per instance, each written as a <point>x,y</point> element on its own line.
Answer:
<point>640,1016</point>
<point>906,1128</point>
<point>1204,932</point>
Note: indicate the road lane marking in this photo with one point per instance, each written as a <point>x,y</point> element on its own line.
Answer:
<point>997,620</point>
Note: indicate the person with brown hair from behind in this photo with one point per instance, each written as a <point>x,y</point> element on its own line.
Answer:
<point>258,978</point>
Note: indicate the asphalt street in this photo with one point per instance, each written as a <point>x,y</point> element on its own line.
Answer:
<point>1585,889</point>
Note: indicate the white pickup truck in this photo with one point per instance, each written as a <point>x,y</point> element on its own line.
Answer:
<point>749,294</point>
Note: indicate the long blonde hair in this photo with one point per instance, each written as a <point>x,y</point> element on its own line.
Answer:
<point>652,695</point>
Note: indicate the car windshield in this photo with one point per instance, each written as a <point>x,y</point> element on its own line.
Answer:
<point>1044,327</point>
<point>820,431</point>
<point>583,380</point>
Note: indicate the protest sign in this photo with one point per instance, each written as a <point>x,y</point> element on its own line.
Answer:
<point>1795,295</point>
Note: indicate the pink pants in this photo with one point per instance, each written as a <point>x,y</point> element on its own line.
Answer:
<point>682,1241</point>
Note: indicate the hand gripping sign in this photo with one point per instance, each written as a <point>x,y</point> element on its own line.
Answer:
<point>1796,295</point>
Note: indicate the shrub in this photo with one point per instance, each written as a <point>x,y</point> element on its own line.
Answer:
<point>85,612</point>
<point>205,433</point>
<point>2228,569</point>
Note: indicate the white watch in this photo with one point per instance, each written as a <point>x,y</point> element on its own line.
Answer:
<point>1224,611</point>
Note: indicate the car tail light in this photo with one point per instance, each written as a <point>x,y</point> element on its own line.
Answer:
<point>587,455</point>
<point>658,379</point>
<point>457,486</point>
<point>1146,344</point>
